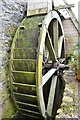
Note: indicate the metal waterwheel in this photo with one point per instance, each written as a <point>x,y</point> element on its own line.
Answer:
<point>35,68</point>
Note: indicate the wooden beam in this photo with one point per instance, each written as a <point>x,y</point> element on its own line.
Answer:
<point>35,7</point>
<point>73,18</point>
<point>47,76</point>
<point>51,96</point>
<point>55,36</point>
<point>60,41</point>
<point>50,47</point>
<point>64,6</point>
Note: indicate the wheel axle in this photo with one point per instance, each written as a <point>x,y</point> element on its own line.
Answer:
<point>57,65</point>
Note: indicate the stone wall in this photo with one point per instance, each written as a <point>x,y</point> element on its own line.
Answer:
<point>11,13</point>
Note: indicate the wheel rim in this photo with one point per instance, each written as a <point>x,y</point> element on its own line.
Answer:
<point>52,40</point>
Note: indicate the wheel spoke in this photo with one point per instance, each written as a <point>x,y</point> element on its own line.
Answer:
<point>45,54</point>
<point>47,76</point>
<point>60,46</point>
<point>51,95</point>
<point>50,48</point>
<point>55,36</point>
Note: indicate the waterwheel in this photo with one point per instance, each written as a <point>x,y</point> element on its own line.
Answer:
<point>35,66</point>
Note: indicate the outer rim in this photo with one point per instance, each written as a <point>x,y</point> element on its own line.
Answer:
<point>49,17</point>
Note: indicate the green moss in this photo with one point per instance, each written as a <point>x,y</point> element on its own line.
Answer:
<point>3,74</point>
<point>8,109</point>
<point>10,30</point>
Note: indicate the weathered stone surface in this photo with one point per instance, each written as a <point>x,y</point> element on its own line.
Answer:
<point>60,111</point>
<point>70,102</point>
<point>11,13</point>
<point>67,99</point>
<point>10,30</point>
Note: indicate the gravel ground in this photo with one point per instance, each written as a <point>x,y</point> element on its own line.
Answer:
<point>71,99</point>
<point>79,100</point>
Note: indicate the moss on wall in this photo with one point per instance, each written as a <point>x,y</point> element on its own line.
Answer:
<point>10,30</point>
<point>11,15</point>
<point>8,109</point>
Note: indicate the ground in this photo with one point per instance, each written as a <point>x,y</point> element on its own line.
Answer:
<point>70,103</point>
